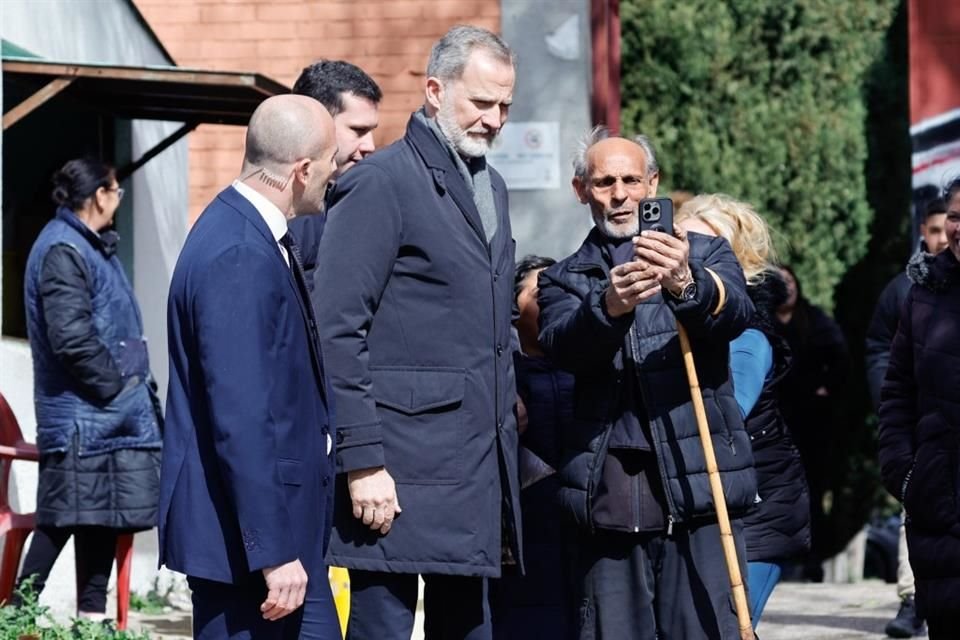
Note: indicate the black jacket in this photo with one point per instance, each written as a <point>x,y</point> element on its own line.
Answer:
<point>920,430</point>
<point>581,337</point>
<point>778,528</point>
<point>65,286</point>
<point>883,326</point>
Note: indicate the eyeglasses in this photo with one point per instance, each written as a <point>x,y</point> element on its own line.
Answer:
<point>119,191</point>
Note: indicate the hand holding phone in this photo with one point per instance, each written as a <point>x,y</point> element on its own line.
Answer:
<point>667,254</point>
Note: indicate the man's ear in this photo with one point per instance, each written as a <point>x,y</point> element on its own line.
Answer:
<point>654,181</point>
<point>579,188</point>
<point>302,170</point>
<point>434,92</point>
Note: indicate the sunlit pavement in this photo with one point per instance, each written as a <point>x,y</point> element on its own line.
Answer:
<point>795,612</point>
<point>829,611</point>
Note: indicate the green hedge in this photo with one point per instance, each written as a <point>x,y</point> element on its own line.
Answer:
<point>763,100</point>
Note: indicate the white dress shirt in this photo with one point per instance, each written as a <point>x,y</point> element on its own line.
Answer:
<point>276,221</point>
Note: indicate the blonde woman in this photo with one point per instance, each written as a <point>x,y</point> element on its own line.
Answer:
<point>778,529</point>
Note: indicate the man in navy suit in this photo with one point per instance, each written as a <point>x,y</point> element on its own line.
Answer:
<point>246,480</point>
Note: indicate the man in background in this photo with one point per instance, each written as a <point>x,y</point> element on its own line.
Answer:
<point>353,99</point>
<point>633,473</point>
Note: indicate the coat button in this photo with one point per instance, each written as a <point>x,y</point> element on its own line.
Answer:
<point>324,430</point>
<point>499,350</point>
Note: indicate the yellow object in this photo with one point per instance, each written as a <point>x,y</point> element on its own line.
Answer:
<point>716,488</point>
<point>722,291</point>
<point>340,585</point>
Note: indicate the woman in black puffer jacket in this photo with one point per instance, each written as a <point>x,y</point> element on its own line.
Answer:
<point>98,418</point>
<point>920,426</point>
<point>778,528</point>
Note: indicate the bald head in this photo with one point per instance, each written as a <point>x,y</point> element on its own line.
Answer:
<point>617,147</point>
<point>285,129</point>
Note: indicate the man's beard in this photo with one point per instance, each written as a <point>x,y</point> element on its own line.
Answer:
<point>619,231</point>
<point>465,144</point>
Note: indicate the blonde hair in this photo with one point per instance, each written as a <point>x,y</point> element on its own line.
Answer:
<point>741,226</point>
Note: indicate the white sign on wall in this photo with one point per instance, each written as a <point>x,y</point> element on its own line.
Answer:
<point>527,155</point>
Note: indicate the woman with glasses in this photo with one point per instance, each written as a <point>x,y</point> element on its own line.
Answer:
<point>98,422</point>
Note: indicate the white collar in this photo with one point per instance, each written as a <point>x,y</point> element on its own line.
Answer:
<point>271,214</point>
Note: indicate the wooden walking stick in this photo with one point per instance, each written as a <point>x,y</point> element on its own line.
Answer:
<point>716,488</point>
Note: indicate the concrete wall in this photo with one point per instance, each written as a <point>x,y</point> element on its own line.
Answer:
<point>553,89</point>
<point>103,31</point>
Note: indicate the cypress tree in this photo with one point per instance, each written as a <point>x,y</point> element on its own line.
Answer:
<point>763,100</point>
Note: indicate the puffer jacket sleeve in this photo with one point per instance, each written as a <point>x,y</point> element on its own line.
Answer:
<point>701,317</point>
<point>576,331</point>
<point>898,408</point>
<point>883,326</point>
<point>68,314</point>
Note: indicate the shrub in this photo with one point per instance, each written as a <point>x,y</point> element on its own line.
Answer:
<point>764,100</point>
<point>30,619</point>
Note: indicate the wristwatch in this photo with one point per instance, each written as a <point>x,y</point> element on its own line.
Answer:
<point>688,292</point>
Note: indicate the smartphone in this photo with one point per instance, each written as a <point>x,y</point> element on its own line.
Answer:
<point>656,214</point>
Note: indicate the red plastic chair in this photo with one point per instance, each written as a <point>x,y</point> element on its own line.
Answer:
<point>17,526</point>
<point>124,560</point>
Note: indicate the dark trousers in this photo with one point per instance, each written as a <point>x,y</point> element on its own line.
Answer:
<point>233,611</point>
<point>382,607</point>
<point>943,628</point>
<point>654,587</point>
<point>94,547</point>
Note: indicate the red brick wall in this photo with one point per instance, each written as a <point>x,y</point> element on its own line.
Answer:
<point>934,64</point>
<point>389,39</point>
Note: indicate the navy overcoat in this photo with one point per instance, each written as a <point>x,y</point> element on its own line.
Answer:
<point>414,312</point>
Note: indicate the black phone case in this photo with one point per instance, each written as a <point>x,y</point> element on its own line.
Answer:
<point>656,214</point>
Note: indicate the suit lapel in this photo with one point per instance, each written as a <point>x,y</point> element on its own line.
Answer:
<point>243,206</point>
<point>233,197</point>
<point>309,318</point>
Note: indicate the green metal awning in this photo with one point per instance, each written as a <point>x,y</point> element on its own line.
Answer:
<point>191,96</point>
<point>10,50</point>
<point>146,93</point>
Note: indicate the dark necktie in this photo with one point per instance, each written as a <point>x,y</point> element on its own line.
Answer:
<point>296,266</point>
